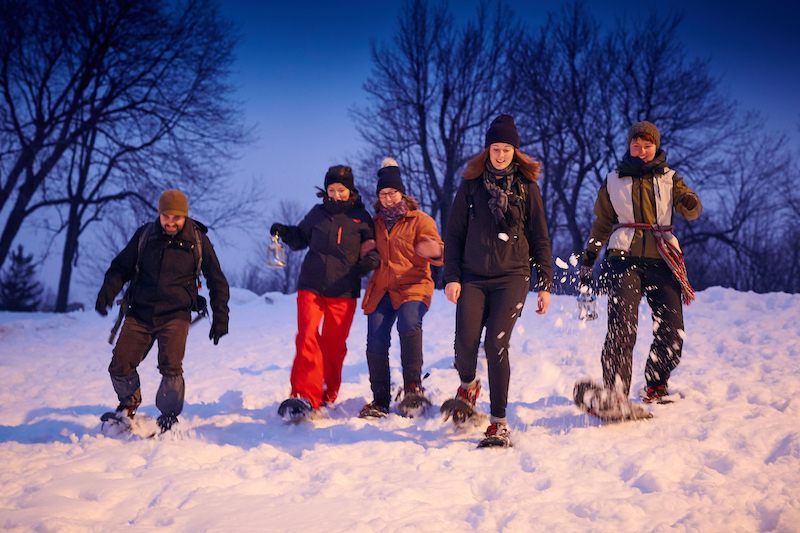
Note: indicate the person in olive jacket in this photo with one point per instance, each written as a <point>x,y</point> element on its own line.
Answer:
<point>634,210</point>
<point>496,235</point>
<point>163,293</point>
<point>400,289</point>
<point>340,238</point>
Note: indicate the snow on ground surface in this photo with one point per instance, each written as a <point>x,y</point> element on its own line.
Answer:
<point>724,458</point>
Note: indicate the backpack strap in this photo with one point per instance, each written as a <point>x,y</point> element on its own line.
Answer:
<point>198,254</point>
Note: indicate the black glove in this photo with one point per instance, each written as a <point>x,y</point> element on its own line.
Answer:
<point>103,303</point>
<point>218,330</point>
<point>278,229</point>
<point>586,276</point>
<point>689,200</point>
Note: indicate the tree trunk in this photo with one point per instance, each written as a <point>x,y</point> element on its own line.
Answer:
<point>67,259</point>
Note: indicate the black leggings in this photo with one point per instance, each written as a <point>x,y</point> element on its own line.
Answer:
<point>493,303</point>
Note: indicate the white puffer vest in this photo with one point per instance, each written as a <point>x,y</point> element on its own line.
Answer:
<point>620,190</point>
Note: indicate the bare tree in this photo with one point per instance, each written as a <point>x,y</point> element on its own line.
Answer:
<point>257,277</point>
<point>433,92</point>
<point>567,73</point>
<point>135,91</point>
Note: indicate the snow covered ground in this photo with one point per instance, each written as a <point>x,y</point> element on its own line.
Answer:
<point>725,458</point>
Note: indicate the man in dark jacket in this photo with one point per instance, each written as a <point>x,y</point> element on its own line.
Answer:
<point>164,281</point>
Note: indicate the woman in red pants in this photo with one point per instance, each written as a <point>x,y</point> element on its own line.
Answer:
<point>340,237</point>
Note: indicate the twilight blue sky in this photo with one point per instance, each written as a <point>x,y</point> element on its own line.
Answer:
<point>303,63</point>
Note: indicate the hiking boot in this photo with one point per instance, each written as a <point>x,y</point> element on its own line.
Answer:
<point>470,395</point>
<point>165,422</point>
<point>497,435</point>
<point>127,410</point>
<point>654,394</point>
<point>414,402</point>
<point>373,410</point>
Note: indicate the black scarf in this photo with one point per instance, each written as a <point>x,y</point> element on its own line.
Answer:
<point>635,167</point>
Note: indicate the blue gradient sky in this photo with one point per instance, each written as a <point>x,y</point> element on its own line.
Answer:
<point>303,63</point>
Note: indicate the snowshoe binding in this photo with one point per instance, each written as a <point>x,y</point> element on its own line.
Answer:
<point>657,394</point>
<point>607,404</point>
<point>462,408</point>
<point>295,410</point>
<point>167,422</point>
<point>373,410</point>
<point>126,422</point>
<point>414,403</point>
<point>496,436</point>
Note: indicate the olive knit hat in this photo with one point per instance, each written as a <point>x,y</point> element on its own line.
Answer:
<point>645,127</point>
<point>173,202</point>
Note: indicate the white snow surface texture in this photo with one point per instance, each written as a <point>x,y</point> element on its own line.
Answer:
<point>724,458</point>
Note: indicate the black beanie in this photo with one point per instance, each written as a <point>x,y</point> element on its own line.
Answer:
<point>340,174</point>
<point>389,176</point>
<point>502,130</point>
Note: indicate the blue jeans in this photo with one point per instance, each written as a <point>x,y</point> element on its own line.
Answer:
<point>379,333</point>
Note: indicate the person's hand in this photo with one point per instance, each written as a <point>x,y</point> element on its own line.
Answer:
<point>586,276</point>
<point>453,290</point>
<point>103,303</point>
<point>543,299</point>
<point>218,330</point>
<point>366,247</point>
<point>689,200</point>
<point>277,229</point>
<point>428,248</point>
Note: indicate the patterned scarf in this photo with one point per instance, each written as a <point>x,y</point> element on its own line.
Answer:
<point>391,215</point>
<point>498,203</point>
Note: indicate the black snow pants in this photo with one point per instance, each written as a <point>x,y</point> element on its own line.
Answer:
<point>626,280</point>
<point>494,304</point>
<point>135,340</point>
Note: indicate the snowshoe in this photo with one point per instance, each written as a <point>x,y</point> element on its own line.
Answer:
<point>373,410</point>
<point>414,403</point>
<point>127,423</point>
<point>606,404</point>
<point>296,410</point>
<point>657,394</point>
<point>462,407</point>
<point>166,422</point>
<point>496,436</point>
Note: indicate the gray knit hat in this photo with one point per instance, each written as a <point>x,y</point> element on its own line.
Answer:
<point>645,127</point>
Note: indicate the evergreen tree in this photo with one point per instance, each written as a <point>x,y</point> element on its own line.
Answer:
<point>18,290</point>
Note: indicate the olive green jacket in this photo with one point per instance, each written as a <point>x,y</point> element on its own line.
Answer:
<point>643,244</point>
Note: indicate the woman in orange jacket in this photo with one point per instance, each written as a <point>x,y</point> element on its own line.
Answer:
<point>400,289</point>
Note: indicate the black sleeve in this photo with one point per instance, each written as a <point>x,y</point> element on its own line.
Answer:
<point>298,237</point>
<point>372,259</point>
<point>539,239</point>
<point>122,267</point>
<point>456,235</point>
<point>217,283</point>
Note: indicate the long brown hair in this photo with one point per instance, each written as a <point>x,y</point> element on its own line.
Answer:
<point>528,166</point>
<point>410,200</point>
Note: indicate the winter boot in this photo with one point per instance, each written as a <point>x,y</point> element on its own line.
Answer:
<point>497,435</point>
<point>414,402</point>
<point>462,407</point>
<point>296,409</point>
<point>373,410</point>
<point>655,394</point>
<point>469,394</point>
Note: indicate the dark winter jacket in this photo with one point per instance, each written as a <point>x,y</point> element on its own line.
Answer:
<point>166,286</point>
<point>473,248</point>
<point>334,232</point>
<point>643,246</point>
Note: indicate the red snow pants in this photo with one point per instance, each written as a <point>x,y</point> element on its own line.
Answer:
<point>317,368</point>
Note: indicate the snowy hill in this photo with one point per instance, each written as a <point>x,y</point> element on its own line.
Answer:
<point>725,458</point>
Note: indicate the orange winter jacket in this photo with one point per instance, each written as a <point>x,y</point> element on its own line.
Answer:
<point>403,273</point>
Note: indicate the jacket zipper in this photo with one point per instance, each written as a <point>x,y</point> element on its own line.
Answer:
<point>339,236</point>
